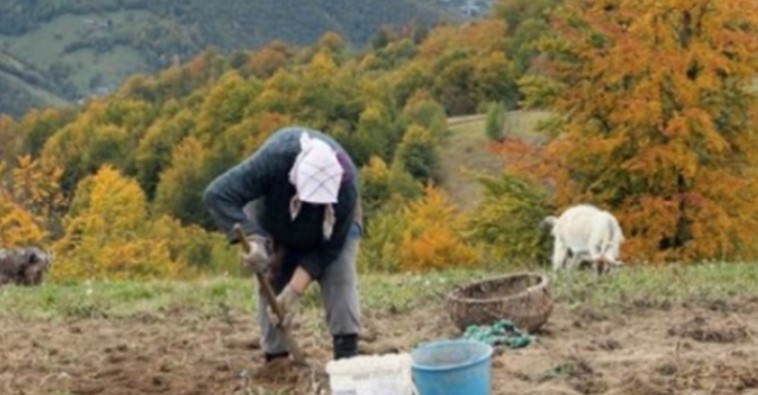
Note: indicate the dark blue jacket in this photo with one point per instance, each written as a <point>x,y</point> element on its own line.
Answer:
<point>264,178</point>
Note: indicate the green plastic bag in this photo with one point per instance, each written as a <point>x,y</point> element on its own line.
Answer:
<point>503,332</point>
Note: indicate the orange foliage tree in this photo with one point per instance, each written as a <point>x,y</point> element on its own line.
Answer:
<point>658,123</point>
<point>433,235</point>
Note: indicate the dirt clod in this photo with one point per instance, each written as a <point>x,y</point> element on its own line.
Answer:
<point>701,330</point>
<point>609,344</point>
<point>667,369</point>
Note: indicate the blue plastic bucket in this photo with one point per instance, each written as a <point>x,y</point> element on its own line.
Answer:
<point>452,367</point>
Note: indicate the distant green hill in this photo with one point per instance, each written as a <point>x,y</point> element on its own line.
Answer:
<point>57,51</point>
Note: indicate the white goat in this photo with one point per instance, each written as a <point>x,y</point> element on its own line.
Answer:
<point>584,232</point>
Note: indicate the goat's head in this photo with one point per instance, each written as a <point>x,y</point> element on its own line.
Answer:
<point>607,265</point>
<point>547,224</point>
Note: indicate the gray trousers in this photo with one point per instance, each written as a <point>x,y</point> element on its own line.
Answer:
<point>339,295</point>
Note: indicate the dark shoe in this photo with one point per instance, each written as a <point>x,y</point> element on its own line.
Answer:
<point>345,346</point>
<point>272,357</point>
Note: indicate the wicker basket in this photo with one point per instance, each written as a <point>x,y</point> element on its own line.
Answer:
<point>523,298</point>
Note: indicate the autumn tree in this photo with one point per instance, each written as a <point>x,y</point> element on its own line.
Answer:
<point>468,63</point>
<point>375,185</point>
<point>107,233</point>
<point>386,188</point>
<point>433,235</point>
<point>38,125</point>
<point>411,79</point>
<point>381,243</point>
<point>181,186</point>
<point>18,227</point>
<point>378,133</point>
<point>105,132</point>
<point>153,152</point>
<point>331,41</point>
<point>279,92</point>
<point>225,104</point>
<point>193,248</point>
<point>327,92</point>
<point>266,61</point>
<point>658,123</point>
<point>423,110</point>
<point>454,84</point>
<point>418,154</point>
<point>36,186</point>
<point>528,23</point>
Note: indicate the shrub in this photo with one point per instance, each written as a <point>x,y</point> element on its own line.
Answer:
<point>507,219</point>
<point>495,121</point>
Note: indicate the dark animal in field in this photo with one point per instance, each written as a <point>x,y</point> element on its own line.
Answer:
<point>24,266</point>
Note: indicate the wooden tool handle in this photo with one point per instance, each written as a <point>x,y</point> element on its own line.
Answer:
<point>270,296</point>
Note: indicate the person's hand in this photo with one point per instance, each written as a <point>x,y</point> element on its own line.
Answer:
<point>289,301</point>
<point>259,256</point>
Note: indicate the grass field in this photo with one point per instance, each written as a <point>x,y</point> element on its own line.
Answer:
<point>400,293</point>
<point>674,329</point>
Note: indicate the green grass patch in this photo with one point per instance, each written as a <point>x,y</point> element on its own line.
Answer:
<point>656,286</point>
<point>400,293</point>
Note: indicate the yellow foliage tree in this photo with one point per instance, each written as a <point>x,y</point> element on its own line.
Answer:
<point>482,37</point>
<point>31,201</point>
<point>37,186</point>
<point>433,237</point>
<point>18,227</point>
<point>331,41</point>
<point>322,65</point>
<point>195,249</point>
<point>107,233</point>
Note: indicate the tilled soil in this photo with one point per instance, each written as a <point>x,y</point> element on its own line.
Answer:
<point>694,348</point>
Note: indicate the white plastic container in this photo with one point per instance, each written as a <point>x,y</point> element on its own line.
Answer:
<point>388,374</point>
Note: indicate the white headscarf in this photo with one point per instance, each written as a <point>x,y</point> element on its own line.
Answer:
<point>316,175</point>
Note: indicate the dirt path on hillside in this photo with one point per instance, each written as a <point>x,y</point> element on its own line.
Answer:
<point>694,349</point>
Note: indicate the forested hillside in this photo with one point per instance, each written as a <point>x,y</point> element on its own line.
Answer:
<point>78,49</point>
<point>147,152</point>
<point>115,186</point>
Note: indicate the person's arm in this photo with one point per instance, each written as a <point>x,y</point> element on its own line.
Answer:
<point>300,280</point>
<point>226,196</point>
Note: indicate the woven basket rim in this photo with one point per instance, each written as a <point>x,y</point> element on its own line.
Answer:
<point>456,295</point>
